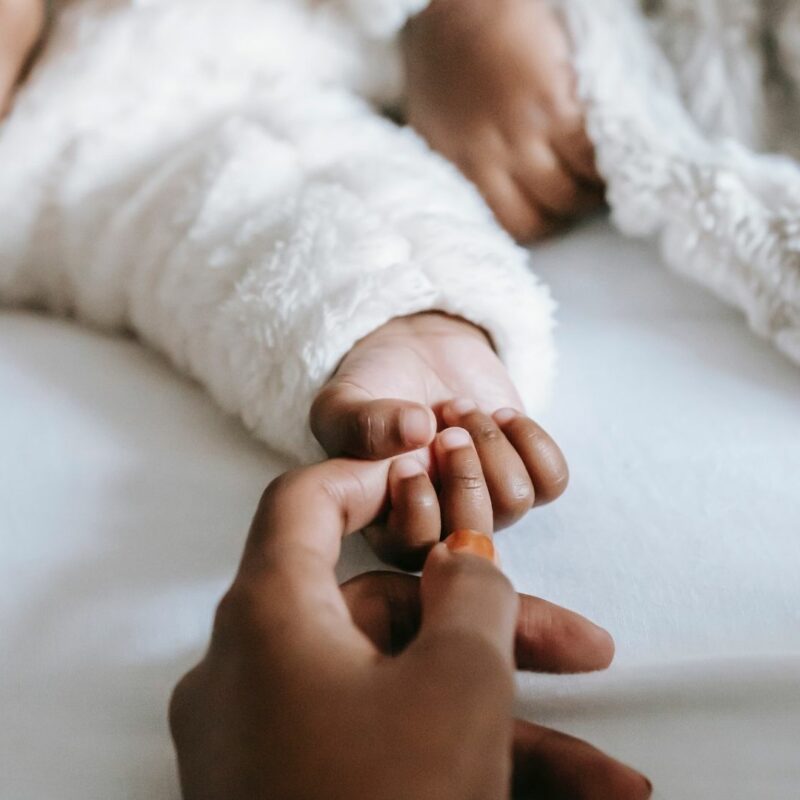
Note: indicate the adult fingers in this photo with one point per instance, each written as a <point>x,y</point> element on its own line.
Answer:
<point>347,421</point>
<point>549,765</point>
<point>510,487</point>
<point>542,457</point>
<point>464,497</point>
<point>304,513</point>
<point>286,586</point>
<point>385,607</point>
<point>413,525</point>
<point>552,639</point>
<point>469,612</point>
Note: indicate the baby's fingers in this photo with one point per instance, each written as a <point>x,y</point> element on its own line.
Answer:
<point>510,486</point>
<point>348,421</point>
<point>413,526</point>
<point>542,457</point>
<point>463,494</point>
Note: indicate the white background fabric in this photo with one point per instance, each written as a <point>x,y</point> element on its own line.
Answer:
<point>125,497</point>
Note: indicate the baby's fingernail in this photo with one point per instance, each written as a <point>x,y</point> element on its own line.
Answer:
<point>405,468</point>
<point>463,406</point>
<point>505,415</point>
<point>416,426</point>
<point>454,439</point>
<point>472,543</point>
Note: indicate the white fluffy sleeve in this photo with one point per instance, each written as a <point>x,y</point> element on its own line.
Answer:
<point>381,18</point>
<point>253,239</point>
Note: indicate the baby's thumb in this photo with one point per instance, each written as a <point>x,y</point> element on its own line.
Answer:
<point>348,422</point>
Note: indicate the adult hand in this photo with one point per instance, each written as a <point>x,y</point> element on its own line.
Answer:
<point>21,25</point>
<point>387,687</point>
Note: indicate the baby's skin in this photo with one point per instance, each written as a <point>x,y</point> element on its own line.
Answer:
<point>491,87</point>
<point>417,374</point>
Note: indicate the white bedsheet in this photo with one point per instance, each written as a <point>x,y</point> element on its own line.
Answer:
<point>125,497</point>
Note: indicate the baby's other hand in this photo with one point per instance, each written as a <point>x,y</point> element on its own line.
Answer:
<point>21,24</point>
<point>490,85</point>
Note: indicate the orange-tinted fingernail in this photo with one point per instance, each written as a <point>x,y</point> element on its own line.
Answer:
<point>472,542</point>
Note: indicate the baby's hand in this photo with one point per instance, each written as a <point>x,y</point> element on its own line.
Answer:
<point>507,460</point>
<point>21,24</point>
<point>420,374</point>
<point>490,86</point>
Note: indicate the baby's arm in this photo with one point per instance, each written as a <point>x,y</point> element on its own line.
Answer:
<point>490,85</point>
<point>21,25</point>
<point>255,233</point>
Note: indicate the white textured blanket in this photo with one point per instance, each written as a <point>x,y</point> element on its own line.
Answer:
<point>125,498</point>
<point>213,177</point>
<point>231,196</point>
<point>694,107</point>
<point>683,95</point>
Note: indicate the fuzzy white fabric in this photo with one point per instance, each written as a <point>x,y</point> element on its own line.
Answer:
<point>684,97</point>
<point>230,196</point>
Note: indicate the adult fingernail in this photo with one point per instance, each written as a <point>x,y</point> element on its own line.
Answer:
<point>416,426</point>
<point>504,415</point>
<point>472,543</point>
<point>454,439</point>
<point>405,468</point>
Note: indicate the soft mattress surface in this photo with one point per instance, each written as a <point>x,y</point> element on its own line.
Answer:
<point>125,497</point>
